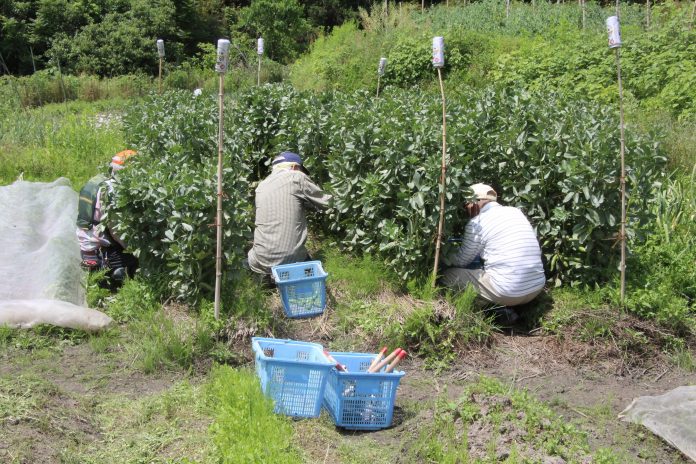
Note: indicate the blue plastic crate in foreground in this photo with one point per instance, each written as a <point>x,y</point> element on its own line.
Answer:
<point>292,373</point>
<point>357,399</point>
<point>302,288</point>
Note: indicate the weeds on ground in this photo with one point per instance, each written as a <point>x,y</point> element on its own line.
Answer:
<point>71,141</point>
<point>589,316</point>
<point>360,277</point>
<point>493,422</point>
<point>245,428</point>
<point>438,330</point>
<point>153,428</point>
<point>97,293</point>
<point>21,396</point>
<point>160,338</point>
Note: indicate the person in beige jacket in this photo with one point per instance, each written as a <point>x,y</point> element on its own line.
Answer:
<point>281,224</point>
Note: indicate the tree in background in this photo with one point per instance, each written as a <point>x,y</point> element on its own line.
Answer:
<point>330,13</point>
<point>122,43</point>
<point>15,20</point>
<point>282,24</point>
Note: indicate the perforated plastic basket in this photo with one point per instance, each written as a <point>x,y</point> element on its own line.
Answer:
<point>292,373</point>
<point>302,288</point>
<point>357,399</point>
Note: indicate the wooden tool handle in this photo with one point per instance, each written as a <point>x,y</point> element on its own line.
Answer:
<point>378,358</point>
<point>385,361</point>
<point>396,361</point>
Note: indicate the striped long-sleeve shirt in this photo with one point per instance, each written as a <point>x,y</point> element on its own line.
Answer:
<point>281,225</point>
<point>506,242</point>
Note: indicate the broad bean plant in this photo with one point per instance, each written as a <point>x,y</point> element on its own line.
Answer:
<point>555,157</point>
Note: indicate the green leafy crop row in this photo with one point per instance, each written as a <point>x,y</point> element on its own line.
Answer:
<point>555,158</point>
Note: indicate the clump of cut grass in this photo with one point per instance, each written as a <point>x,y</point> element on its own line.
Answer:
<point>438,330</point>
<point>245,428</point>
<point>41,337</point>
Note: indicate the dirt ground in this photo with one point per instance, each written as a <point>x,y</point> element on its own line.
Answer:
<point>564,375</point>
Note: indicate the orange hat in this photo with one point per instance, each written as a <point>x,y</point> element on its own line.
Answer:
<point>120,158</point>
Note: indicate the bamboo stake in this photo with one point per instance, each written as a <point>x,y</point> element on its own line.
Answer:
<point>218,220</point>
<point>380,70</point>
<point>221,68</point>
<point>443,169</point>
<point>160,52</point>
<point>259,52</point>
<point>507,9</point>
<point>584,13</point>
<point>622,180</point>
<point>422,6</point>
<point>160,75</point>
<point>614,32</point>
<point>693,13</point>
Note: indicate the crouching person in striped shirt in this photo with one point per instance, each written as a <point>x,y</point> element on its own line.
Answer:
<point>281,224</point>
<point>512,272</point>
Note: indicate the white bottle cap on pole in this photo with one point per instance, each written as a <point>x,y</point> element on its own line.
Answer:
<point>614,31</point>
<point>439,52</point>
<point>223,56</point>
<point>382,66</point>
<point>160,48</point>
<point>259,46</point>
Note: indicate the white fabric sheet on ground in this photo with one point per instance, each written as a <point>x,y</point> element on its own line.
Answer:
<point>24,314</point>
<point>40,276</point>
<point>671,416</point>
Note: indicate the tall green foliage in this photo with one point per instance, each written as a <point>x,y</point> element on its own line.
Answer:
<point>556,158</point>
<point>166,203</point>
<point>658,68</point>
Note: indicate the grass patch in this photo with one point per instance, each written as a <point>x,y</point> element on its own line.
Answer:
<point>245,427</point>
<point>72,140</point>
<point>21,396</point>
<point>360,277</point>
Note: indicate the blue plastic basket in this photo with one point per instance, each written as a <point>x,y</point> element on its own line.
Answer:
<point>302,288</point>
<point>357,399</point>
<point>292,373</point>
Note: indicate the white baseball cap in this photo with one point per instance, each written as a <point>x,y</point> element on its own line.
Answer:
<point>484,192</point>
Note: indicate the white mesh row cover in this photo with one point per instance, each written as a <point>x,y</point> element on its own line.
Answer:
<point>671,416</point>
<point>41,281</point>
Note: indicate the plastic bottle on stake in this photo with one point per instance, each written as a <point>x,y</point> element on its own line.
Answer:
<point>614,32</point>
<point>382,66</point>
<point>259,46</point>
<point>223,56</point>
<point>160,48</point>
<point>439,52</point>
